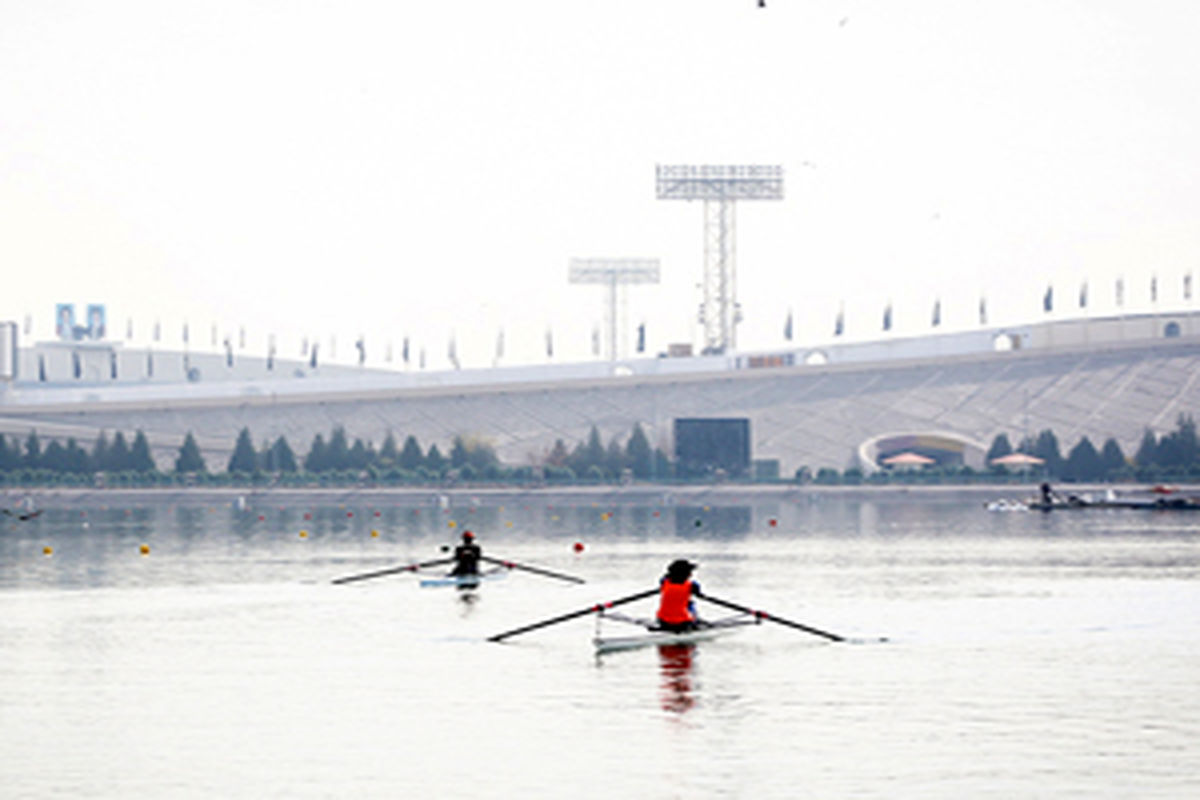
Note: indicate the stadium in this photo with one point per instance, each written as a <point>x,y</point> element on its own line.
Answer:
<point>839,405</point>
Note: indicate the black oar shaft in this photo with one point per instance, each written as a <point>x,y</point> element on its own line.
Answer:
<point>564,617</point>
<point>764,615</point>
<point>392,571</point>
<point>535,570</point>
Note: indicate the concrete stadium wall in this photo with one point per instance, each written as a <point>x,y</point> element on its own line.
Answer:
<point>802,415</point>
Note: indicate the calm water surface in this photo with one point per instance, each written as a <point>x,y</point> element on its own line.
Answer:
<point>1026,655</point>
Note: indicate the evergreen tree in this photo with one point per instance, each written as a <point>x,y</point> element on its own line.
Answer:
<point>10,456</point>
<point>119,457</point>
<point>54,457</point>
<point>1000,447</point>
<point>33,452</point>
<point>587,454</point>
<point>614,458</point>
<point>482,457</point>
<point>388,452</point>
<point>411,457</point>
<point>435,462</point>
<point>458,453</point>
<point>189,459</point>
<point>1083,463</point>
<point>244,459</point>
<point>359,456</point>
<point>316,460</point>
<point>1178,449</point>
<point>1147,452</point>
<point>638,454</point>
<point>1112,460</point>
<point>139,455</point>
<point>558,455</point>
<point>1046,448</point>
<point>77,458</point>
<point>280,457</point>
<point>337,454</point>
<point>100,453</point>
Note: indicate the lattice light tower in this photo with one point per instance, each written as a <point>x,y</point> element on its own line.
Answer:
<point>719,186</point>
<point>614,274</point>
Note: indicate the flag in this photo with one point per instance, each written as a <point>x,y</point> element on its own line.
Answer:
<point>1048,299</point>
<point>404,350</point>
<point>887,317</point>
<point>983,311</point>
<point>839,324</point>
<point>937,312</point>
<point>787,327</point>
<point>312,360</point>
<point>1083,295</point>
<point>362,350</point>
<point>641,340</point>
<point>1187,286</point>
<point>1120,291</point>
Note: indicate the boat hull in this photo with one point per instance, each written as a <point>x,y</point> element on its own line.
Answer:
<point>608,644</point>
<point>461,581</point>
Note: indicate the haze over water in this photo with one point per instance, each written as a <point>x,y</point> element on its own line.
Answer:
<point>1026,654</point>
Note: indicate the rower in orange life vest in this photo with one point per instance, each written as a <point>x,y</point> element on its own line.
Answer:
<point>676,609</point>
<point>466,556</point>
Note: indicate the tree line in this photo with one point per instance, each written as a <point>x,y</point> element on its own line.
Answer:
<point>335,458</point>
<point>330,458</point>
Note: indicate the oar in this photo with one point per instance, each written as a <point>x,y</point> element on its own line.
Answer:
<point>764,615</point>
<point>535,570</point>
<point>596,609</point>
<point>392,571</point>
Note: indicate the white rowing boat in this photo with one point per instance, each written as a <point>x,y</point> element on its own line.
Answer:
<point>651,636</point>
<point>463,581</point>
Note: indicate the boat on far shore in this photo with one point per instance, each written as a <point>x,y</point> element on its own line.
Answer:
<point>1155,498</point>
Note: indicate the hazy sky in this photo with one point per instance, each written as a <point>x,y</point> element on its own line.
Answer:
<point>428,169</point>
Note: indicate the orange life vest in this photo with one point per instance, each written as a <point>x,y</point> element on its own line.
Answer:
<point>673,602</point>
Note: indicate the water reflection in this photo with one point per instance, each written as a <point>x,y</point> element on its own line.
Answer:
<point>468,596</point>
<point>712,521</point>
<point>675,666</point>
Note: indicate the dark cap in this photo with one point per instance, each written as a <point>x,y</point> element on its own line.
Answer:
<point>681,567</point>
<point>468,535</point>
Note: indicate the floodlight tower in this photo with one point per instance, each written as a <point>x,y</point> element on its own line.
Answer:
<point>614,274</point>
<point>719,186</point>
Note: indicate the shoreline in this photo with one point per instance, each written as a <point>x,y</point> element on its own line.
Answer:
<point>664,494</point>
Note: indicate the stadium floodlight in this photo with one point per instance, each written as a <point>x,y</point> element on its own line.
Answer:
<point>614,274</point>
<point>719,186</point>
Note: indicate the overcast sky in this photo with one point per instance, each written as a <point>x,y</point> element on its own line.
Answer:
<point>428,169</point>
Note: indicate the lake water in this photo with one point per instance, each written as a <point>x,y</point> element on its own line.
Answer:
<point>1026,654</point>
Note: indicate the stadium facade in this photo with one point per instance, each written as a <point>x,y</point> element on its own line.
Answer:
<point>837,405</point>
